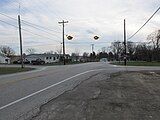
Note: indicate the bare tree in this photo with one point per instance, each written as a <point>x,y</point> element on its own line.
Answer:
<point>75,55</point>
<point>77,52</point>
<point>6,50</point>
<point>49,52</point>
<point>131,49</point>
<point>31,51</point>
<point>117,48</point>
<point>59,50</point>
<point>154,39</point>
<point>85,54</point>
<point>141,52</point>
<point>104,49</point>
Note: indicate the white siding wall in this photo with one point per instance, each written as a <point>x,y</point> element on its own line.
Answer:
<point>3,59</point>
<point>47,59</point>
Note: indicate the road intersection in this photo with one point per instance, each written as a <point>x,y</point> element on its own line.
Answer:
<point>23,93</point>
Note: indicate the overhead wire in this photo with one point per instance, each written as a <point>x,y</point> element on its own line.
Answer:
<point>42,30</point>
<point>39,10</point>
<point>45,29</point>
<point>42,27</point>
<point>32,24</point>
<point>27,30</point>
<point>7,16</point>
<point>9,23</point>
<point>38,35</point>
<point>41,45</point>
<point>29,23</point>
<point>25,22</point>
<point>144,23</point>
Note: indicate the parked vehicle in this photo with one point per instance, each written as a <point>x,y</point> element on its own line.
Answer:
<point>38,62</point>
<point>103,60</point>
<point>19,62</point>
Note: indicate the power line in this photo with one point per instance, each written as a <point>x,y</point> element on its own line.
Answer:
<point>45,29</point>
<point>9,23</point>
<point>38,35</point>
<point>29,23</point>
<point>41,7</point>
<point>42,30</point>
<point>8,16</point>
<point>23,9</point>
<point>42,27</point>
<point>28,31</point>
<point>144,24</point>
<point>41,45</point>
<point>25,22</point>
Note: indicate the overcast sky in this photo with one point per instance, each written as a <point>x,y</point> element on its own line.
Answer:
<point>87,18</point>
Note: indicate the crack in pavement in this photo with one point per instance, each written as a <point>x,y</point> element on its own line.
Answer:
<point>38,109</point>
<point>121,97</point>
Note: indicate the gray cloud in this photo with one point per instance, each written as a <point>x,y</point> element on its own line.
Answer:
<point>86,17</point>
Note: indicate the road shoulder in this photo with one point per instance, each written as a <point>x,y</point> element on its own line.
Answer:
<point>132,95</point>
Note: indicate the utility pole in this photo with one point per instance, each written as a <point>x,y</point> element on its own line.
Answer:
<point>125,46</point>
<point>92,46</point>
<point>20,37</point>
<point>63,22</point>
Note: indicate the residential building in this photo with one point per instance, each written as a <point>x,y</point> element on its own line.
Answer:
<point>14,58</point>
<point>48,58</point>
<point>77,59</point>
<point>4,59</point>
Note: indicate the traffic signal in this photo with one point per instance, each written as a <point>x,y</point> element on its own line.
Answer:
<point>96,37</point>
<point>69,37</point>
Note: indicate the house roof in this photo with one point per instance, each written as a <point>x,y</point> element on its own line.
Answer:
<point>43,55</point>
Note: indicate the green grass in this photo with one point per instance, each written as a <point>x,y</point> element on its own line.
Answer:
<point>138,63</point>
<point>10,70</point>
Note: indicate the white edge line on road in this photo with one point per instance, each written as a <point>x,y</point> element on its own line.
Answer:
<point>14,102</point>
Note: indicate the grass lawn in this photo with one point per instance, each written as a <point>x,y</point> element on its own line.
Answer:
<point>9,70</point>
<point>138,63</point>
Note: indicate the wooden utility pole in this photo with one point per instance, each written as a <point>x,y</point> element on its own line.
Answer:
<point>20,37</point>
<point>63,22</point>
<point>125,46</point>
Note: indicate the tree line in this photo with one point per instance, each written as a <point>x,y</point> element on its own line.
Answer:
<point>144,51</point>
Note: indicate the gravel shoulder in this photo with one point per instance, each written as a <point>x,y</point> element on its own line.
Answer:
<point>120,96</point>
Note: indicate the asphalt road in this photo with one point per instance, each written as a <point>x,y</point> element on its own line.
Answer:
<point>22,93</point>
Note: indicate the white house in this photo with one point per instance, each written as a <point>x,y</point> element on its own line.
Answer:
<point>4,59</point>
<point>48,58</point>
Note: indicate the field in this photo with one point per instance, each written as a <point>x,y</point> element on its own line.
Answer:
<point>137,63</point>
<point>10,70</point>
